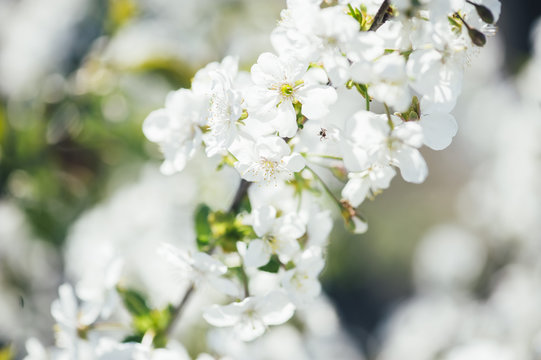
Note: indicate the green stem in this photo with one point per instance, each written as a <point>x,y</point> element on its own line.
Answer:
<point>325,187</point>
<point>389,120</point>
<point>322,156</point>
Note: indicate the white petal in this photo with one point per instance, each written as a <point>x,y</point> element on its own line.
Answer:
<point>412,165</point>
<point>316,100</point>
<point>250,328</point>
<point>438,130</point>
<point>294,162</point>
<point>156,125</point>
<point>263,219</point>
<point>355,191</point>
<point>275,308</point>
<point>256,254</point>
<point>227,315</point>
<point>225,286</point>
<point>285,120</point>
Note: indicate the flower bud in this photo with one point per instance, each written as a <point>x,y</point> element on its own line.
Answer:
<point>484,13</point>
<point>477,37</point>
<point>354,221</point>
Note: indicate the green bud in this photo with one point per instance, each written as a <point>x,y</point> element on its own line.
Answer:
<point>412,116</point>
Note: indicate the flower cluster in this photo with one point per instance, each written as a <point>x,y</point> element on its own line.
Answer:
<point>353,90</point>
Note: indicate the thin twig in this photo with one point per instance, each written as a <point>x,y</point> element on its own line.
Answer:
<point>235,206</point>
<point>178,310</point>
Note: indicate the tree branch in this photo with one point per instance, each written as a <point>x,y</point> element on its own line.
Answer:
<point>235,206</point>
<point>381,16</point>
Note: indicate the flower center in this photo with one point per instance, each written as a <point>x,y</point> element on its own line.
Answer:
<point>287,90</point>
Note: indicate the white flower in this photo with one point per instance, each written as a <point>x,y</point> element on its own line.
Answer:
<point>278,235</point>
<point>98,289</point>
<point>70,319</point>
<point>281,82</point>
<point>269,159</point>
<point>251,316</point>
<point>368,182</point>
<point>370,140</point>
<point>176,128</point>
<point>199,267</point>
<point>389,82</point>
<point>301,282</point>
<point>224,111</point>
<point>203,80</point>
<point>439,127</point>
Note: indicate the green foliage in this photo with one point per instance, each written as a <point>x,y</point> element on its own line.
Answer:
<point>272,266</point>
<point>220,228</point>
<point>361,16</point>
<point>145,319</point>
<point>203,231</point>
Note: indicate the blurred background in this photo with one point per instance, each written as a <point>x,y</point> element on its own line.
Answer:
<point>77,79</point>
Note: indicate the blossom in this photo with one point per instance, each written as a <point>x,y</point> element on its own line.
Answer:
<point>280,82</point>
<point>251,316</point>
<point>224,111</point>
<point>371,140</point>
<point>199,267</point>
<point>368,182</point>
<point>176,128</point>
<point>277,235</point>
<point>72,318</point>
<point>268,159</point>
<point>300,282</point>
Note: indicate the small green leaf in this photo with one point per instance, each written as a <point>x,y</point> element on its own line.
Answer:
<point>134,302</point>
<point>203,229</point>
<point>272,266</point>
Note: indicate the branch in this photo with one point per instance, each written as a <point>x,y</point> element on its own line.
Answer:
<point>239,196</point>
<point>235,206</point>
<point>381,15</point>
<point>178,310</point>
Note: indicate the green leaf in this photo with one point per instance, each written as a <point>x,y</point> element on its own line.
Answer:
<point>203,229</point>
<point>272,266</point>
<point>134,302</point>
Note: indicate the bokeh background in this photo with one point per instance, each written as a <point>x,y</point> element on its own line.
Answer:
<point>77,79</point>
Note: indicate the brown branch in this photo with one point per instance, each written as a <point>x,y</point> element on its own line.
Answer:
<point>381,16</point>
<point>178,310</point>
<point>235,206</point>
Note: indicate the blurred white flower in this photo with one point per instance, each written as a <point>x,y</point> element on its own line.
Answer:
<point>250,317</point>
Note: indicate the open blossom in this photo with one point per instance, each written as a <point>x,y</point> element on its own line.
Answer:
<point>277,235</point>
<point>176,128</point>
<point>199,267</point>
<point>370,140</point>
<point>268,159</point>
<point>301,282</point>
<point>71,318</point>
<point>280,82</point>
<point>251,316</point>
<point>389,82</point>
<point>224,111</point>
<point>368,182</point>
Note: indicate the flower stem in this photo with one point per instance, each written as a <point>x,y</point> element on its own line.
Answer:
<point>325,187</point>
<point>322,156</point>
<point>389,120</point>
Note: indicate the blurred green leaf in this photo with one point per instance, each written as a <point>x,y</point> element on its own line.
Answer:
<point>134,302</point>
